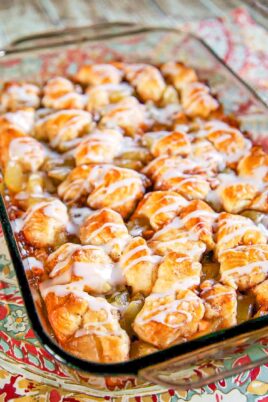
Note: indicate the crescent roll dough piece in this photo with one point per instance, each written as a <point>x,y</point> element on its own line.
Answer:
<point>177,271</point>
<point>254,165</point>
<point>197,101</point>
<point>169,143</point>
<point>178,74</point>
<point>175,237</point>
<point>102,95</point>
<point>61,127</point>
<point>158,208</point>
<point>220,303</point>
<point>60,93</point>
<point>234,193</point>
<point>185,176</point>
<point>169,318</point>
<point>120,189</point>
<point>105,227</point>
<point>260,202</point>
<point>101,146</point>
<point>80,182</point>
<point>139,266</point>
<point>44,224</point>
<point>205,151</point>
<point>86,326</point>
<point>13,126</point>
<point>244,266</point>
<point>261,293</point>
<point>8,133</point>
<point>21,120</point>
<point>87,267</point>
<point>227,140</point>
<point>127,114</point>
<point>98,74</point>
<point>28,152</point>
<point>199,218</point>
<point>19,95</point>
<point>147,81</point>
<point>235,230</point>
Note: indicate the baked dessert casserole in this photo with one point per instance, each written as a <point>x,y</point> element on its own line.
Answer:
<point>138,205</point>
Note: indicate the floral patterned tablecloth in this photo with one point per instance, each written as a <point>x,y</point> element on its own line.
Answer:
<point>29,373</point>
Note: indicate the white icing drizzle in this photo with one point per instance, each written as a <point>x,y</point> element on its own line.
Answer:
<point>194,98</point>
<point>25,94</point>
<point>79,119</point>
<point>228,225</point>
<point>219,294</point>
<point>246,269</point>
<point>28,148</point>
<point>160,313</point>
<point>78,215</point>
<point>161,115</point>
<point>173,207</point>
<point>93,274</point>
<point>98,195</point>
<point>126,261</point>
<point>180,223</point>
<point>54,209</point>
<point>23,119</point>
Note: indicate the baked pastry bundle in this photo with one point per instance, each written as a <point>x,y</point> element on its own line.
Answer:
<point>139,207</point>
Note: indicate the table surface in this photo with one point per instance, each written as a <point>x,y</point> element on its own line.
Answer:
<point>244,48</point>
<point>30,16</point>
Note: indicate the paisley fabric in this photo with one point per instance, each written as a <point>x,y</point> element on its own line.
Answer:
<point>29,373</point>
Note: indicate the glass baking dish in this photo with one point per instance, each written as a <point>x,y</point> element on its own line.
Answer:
<point>37,58</point>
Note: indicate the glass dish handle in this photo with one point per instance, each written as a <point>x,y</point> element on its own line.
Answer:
<point>67,36</point>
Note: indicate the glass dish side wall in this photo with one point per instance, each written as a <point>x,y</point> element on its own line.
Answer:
<point>182,367</point>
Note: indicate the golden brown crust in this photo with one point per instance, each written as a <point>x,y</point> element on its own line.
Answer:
<point>128,114</point>
<point>235,230</point>
<point>168,143</point>
<point>261,293</point>
<point>44,224</point>
<point>197,100</point>
<point>101,146</point>
<point>120,189</point>
<point>62,127</point>
<point>140,348</point>
<point>86,326</point>
<point>175,237</point>
<point>100,96</point>
<point>184,176</point>
<point>199,218</point>
<point>255,164</point>
<point>227,140</point>
<point>158,208</point>
<point>139,266</point>
<point>147,81</point>
<point>220,303</point>
<point>98,74</point>
<point>237,196</point>
<point>177,271</point>
<point>89,266</point>
<point>60,93</point>
<point>244,266</point>
<point>19,95</point>
<point>178,74</point>
<point>105,227</point>
<point>79,182</point>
